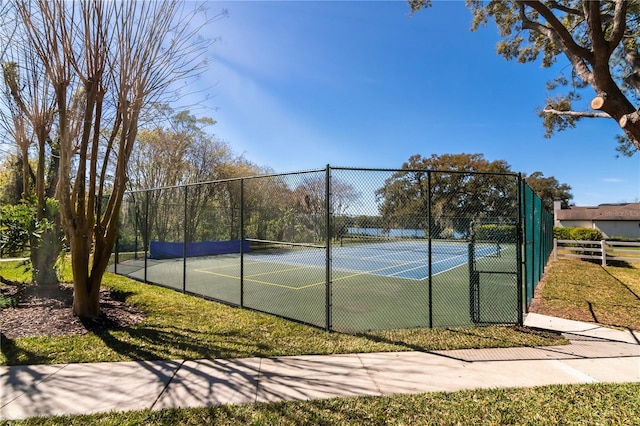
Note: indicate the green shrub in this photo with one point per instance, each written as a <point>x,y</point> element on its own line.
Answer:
<point>562,233</point>
<point>16,226</point>
<point>585,234</point>
<point>8,302</point>
<point>500,233</point>
<point>580,234</point>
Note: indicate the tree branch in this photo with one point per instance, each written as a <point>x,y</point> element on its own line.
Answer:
<point>594,27</point>
<point>633,60</point>
<point>619,25</point>
<point>563,8</point>
<point>575,53</point>
<point>583,114</point>
<point>628,119</point>
<point>558,28</point>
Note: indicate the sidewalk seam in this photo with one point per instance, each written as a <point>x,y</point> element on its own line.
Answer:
<point>167,385</point>
<point>34,384</point>
<point>371,376</point>
<point>258,378</point>
<point>574,372</point>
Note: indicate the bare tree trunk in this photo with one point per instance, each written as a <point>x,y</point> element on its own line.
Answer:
<point>86,288</point>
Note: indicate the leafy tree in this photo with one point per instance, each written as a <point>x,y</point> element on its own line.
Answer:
<point>454,188</point>
<point>177,150</point>
<point>549,189</point>
<point>105,62</point>
<point>310,193</point>
<point>174,150</point>
<point>269,208</point>
<point>261,197</point>
<point>599,39</point>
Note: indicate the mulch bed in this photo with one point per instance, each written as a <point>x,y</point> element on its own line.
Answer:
<point>46,311</point>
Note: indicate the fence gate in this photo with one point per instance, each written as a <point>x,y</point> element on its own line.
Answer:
<point>494,284</point>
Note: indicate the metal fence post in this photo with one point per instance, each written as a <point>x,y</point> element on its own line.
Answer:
<point>603,252</point>
<point>135,229</point>
<point>430,229</point>
<point>146,233</point>
<point>241,243</point>
<point>184,242</point>
<point>521,244</point>
<point>328,246</point>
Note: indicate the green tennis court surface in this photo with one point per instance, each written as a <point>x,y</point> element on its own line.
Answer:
<point>370,288</point>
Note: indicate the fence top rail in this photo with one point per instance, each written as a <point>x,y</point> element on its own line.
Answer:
<point>208,182</point>
<point>586,249</point>
<point>624,258</point>
<point>328,167</point>
<point>365,169</point>
<point>610,243</point>
<point>579,242</point>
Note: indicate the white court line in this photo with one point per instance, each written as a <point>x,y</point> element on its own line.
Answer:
<point>299,260</point>
<point>433,263</point>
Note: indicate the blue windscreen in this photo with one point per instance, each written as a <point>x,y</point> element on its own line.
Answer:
<point>168,250</point>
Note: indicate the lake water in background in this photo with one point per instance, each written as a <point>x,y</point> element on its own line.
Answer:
<point>379,232</point>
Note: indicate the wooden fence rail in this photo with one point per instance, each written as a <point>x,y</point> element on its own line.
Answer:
<point>600,250</point>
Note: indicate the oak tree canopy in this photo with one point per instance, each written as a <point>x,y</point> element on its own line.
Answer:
<point>600,41</point>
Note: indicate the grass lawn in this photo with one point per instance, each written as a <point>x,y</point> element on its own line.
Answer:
<point>598,404</point>
<point>585,291</point>
<point>185,327</point>
<point>179,326</point>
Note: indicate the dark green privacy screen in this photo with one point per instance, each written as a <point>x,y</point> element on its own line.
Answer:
<point>538,239</point>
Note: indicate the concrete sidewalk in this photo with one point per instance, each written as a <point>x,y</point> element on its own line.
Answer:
<point>595,355</point>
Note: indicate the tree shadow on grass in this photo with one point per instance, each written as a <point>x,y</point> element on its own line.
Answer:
<point>147,342</point>
<point>618,264</point>
<point>622,284</point>
<point>16,355</point>
<point>470,338</point>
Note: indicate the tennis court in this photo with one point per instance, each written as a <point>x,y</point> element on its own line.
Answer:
<point>373,286</point>
<point>410,260</point>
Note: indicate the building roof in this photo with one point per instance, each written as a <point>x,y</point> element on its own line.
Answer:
<point>622,211</point>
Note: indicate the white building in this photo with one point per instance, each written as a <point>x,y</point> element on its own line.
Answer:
<point>613,220</point>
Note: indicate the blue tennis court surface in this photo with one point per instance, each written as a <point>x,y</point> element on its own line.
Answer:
<point>409,262</point>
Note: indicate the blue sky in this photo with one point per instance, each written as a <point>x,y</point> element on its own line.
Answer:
<point>296,85</point>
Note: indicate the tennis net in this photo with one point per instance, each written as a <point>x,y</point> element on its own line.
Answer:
<point>268,246</point>
<point>403,244</point>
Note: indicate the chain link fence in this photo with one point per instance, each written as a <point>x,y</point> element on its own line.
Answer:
<point>344,249</point>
